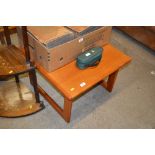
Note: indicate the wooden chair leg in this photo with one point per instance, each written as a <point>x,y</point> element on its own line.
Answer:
<point>30,78</point>
<point>67,109</point>
<point>17,78</point>
<point>2,38</point>
<point>7,35</point>
<point>111,81</point>
<point>33,79</point>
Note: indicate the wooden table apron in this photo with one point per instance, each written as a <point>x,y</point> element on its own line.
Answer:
<point>113,61</point>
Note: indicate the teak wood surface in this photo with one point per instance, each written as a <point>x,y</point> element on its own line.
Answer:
<point>69,78</point>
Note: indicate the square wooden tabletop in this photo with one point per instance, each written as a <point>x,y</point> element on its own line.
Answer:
<point>72,82</point>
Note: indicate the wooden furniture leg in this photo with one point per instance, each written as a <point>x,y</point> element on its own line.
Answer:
<point>111,81</point>
<point>7,35</point>
<point>34,83</point>
<point>26,45</point>
<point>65,113</point>
<point>67,109</point>
<point>2,38</point>
<point>17,78</point>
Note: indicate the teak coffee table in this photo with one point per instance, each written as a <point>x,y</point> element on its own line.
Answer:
<point>73,82</point>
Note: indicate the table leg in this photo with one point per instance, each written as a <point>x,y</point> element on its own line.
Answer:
<point>110,82</point>
<point>67,109</point>
<point>65,113</point>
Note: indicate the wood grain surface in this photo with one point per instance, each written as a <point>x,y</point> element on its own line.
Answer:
<point>12,60</point>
